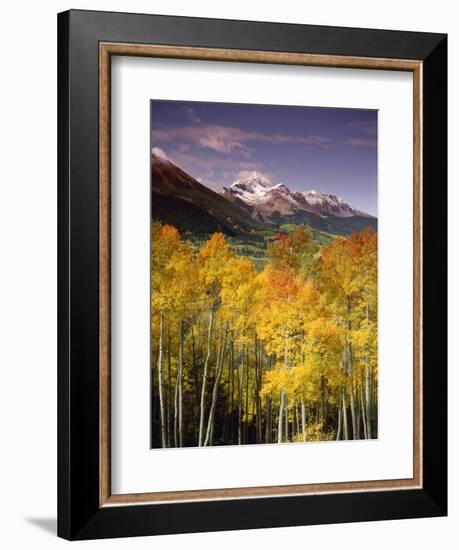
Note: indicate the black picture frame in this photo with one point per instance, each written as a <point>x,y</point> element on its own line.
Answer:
<point>80,515</point>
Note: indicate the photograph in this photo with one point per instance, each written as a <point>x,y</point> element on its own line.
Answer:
<point>252,321</point>
<point>264,295</point>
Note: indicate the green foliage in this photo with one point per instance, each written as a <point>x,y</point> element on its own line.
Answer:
<point>331,224</point>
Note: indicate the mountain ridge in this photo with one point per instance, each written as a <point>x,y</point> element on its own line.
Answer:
<point>267,199</point>
<point>179,199</point>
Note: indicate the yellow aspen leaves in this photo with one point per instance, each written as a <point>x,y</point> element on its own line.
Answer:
<point>285,354</point>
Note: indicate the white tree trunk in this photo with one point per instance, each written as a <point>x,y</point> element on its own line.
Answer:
<point>368,402</point>
<point>345,427</point>
<point>268,420</point>
<point>338,430</point>
<point>281,417</point>
<point>210,423</point>
<point>303,419</point>
<point>204,378</point>
<point>160,382</point>
<point>355,434</point>
<point>180,388</point>
<point>362,407</point>
<point>240,378</point>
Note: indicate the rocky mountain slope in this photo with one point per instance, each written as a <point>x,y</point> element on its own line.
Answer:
<point>249,208</point>
<point>180,200</point>
<point>266,199</point>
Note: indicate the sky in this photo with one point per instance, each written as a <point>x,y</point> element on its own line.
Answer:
<point>306,148</point>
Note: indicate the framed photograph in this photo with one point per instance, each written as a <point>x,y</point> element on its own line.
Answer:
<point>252,275</point>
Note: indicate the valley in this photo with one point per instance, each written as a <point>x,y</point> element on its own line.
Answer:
<point>250,213</point>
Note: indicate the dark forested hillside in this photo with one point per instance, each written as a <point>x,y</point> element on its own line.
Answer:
<point>179,199</point>
<point>331,224</point>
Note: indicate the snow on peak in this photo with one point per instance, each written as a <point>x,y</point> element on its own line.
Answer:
<point>254,179</point>
<point>327,203</point>
<point>159,154</point>
<point>281,187</point>
<point>257,190</point>
<point>251,188</point>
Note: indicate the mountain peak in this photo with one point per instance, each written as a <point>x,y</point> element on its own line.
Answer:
<point>253,179</point>
<point>328,203</point>
<point>257,191</point>
<point>159,159</point>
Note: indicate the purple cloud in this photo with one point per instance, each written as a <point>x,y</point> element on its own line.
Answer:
<point>227,140</point>
<point>362,142</point>
<point>366,127</point>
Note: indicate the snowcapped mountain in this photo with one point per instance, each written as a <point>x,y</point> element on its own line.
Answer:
<point>246,209</point>
<point>251,190</point>
<point>327,204</point>
<point>266,200</point>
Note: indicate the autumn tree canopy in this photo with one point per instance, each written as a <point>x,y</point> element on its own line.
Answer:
<point>286,354</point>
